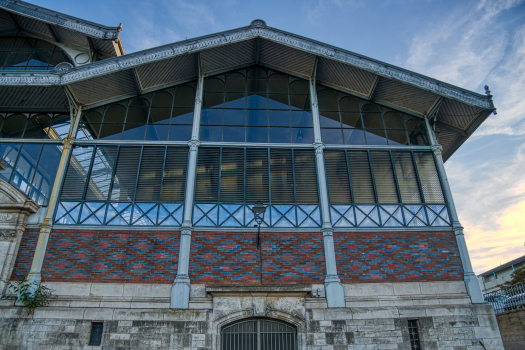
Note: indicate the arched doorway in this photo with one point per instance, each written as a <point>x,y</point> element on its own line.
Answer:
<point>259,334</point>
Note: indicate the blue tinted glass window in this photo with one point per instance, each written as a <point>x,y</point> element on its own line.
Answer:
<point>24,53</point>
<point>349,120</point>
<point>166,115</point>
<point>256,105</point>
<point>52,126</point>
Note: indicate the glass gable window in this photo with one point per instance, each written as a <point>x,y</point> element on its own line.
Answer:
<point>165,115</point>
<point>256,105</point>
<point>124,185</point>
<point>348,120</point>
<point>34,125</point>
<point>23,53</point>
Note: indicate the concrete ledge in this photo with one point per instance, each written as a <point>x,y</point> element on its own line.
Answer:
<point>404,288</point>
<point>298,288</point>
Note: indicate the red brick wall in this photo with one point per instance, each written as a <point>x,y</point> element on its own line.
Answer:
<point>232,258</point>
<point>25,253</point>
<point>397,256</point>
<point>111,256</point>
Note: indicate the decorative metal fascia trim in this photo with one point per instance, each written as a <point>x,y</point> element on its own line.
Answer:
<point>377,67</point>
<point>190,46</point>
<point>34,79</point>
<point>56,18</point>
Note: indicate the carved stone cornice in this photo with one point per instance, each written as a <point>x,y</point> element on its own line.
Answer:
<point>256,30</point>
<point>60,19</point>
<point>7,235</point>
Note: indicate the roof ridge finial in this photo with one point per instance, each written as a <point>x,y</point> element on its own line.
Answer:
<point>489,95</point>
<point>258,23</point>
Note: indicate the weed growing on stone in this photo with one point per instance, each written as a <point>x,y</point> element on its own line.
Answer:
<point>29,294</point>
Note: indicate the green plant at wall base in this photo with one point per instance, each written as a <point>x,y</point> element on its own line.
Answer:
<point>29,294</point>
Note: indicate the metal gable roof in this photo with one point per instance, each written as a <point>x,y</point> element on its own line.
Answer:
<point>19,16</point>
<point>458,112</point>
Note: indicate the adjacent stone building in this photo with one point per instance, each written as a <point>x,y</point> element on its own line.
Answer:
<point>129,182</point>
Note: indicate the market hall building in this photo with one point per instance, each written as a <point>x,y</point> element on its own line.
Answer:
<point>128,186</point>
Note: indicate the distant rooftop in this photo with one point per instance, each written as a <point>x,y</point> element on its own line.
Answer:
<point>504,266</point>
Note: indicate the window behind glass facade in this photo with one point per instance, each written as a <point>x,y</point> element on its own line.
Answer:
<point>256,105</point>
<point>23,53</point>
<point>361,176</point>
<point>124,185</point>
<point>248,175</point>
<point>32,167</point>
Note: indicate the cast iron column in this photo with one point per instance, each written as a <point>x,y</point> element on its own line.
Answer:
<point>335,296</point>
<point>180,290</point>
<point>35,274</point>
<point>469,277</point>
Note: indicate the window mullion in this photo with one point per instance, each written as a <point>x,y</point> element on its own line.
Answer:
<point>88,175</point>
<point>111,181</point>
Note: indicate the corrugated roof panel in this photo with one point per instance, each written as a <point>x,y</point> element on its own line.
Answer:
<point>33,25</point>
<point>36,97</point>
<point>345,76</point>
<point>404,95</point>
<point>104,88</point>
<point>6,23</point>
<point>457,113</point>
<point>227,56</point>
<point>71,37</point>
<point>446,138</point>
<point>168,71</point>
<point>105,47</point>
<point>285,57</point>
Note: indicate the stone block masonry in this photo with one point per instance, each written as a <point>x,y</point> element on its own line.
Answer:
<point>397,257</point>
<point>512,327</point>
<point>440,327</point>
<point>104,256</point>
<point>232,258</point>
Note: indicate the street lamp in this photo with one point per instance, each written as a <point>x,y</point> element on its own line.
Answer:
<point>258,214</point>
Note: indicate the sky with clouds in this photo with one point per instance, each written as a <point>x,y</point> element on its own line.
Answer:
<point>466,43</point>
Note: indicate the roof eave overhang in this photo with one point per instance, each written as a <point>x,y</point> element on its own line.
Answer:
<point>481,106</point>
<point>246,33</point>
<point>90,29</point>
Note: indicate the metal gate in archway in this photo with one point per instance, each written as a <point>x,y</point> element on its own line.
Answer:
<point>259,334</point>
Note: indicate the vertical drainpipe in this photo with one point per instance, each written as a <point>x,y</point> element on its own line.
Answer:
<point>35,274</point>
<point>335,296</point>
<point>471,281</point>
<point>180,290</point>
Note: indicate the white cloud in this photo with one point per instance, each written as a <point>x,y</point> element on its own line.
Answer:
<point>507,82</point>
<point>463,47</point>
<point>471,47</point>
<point>484,189</point>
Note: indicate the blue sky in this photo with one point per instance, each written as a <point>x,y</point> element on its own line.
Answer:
<point>465,43</point>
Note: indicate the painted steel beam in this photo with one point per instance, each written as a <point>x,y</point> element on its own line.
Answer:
<point>373,88</point>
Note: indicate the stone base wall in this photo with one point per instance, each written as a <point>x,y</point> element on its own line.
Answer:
<point>446,318</point>
<point>457,328</point>
<point>512,329</point>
